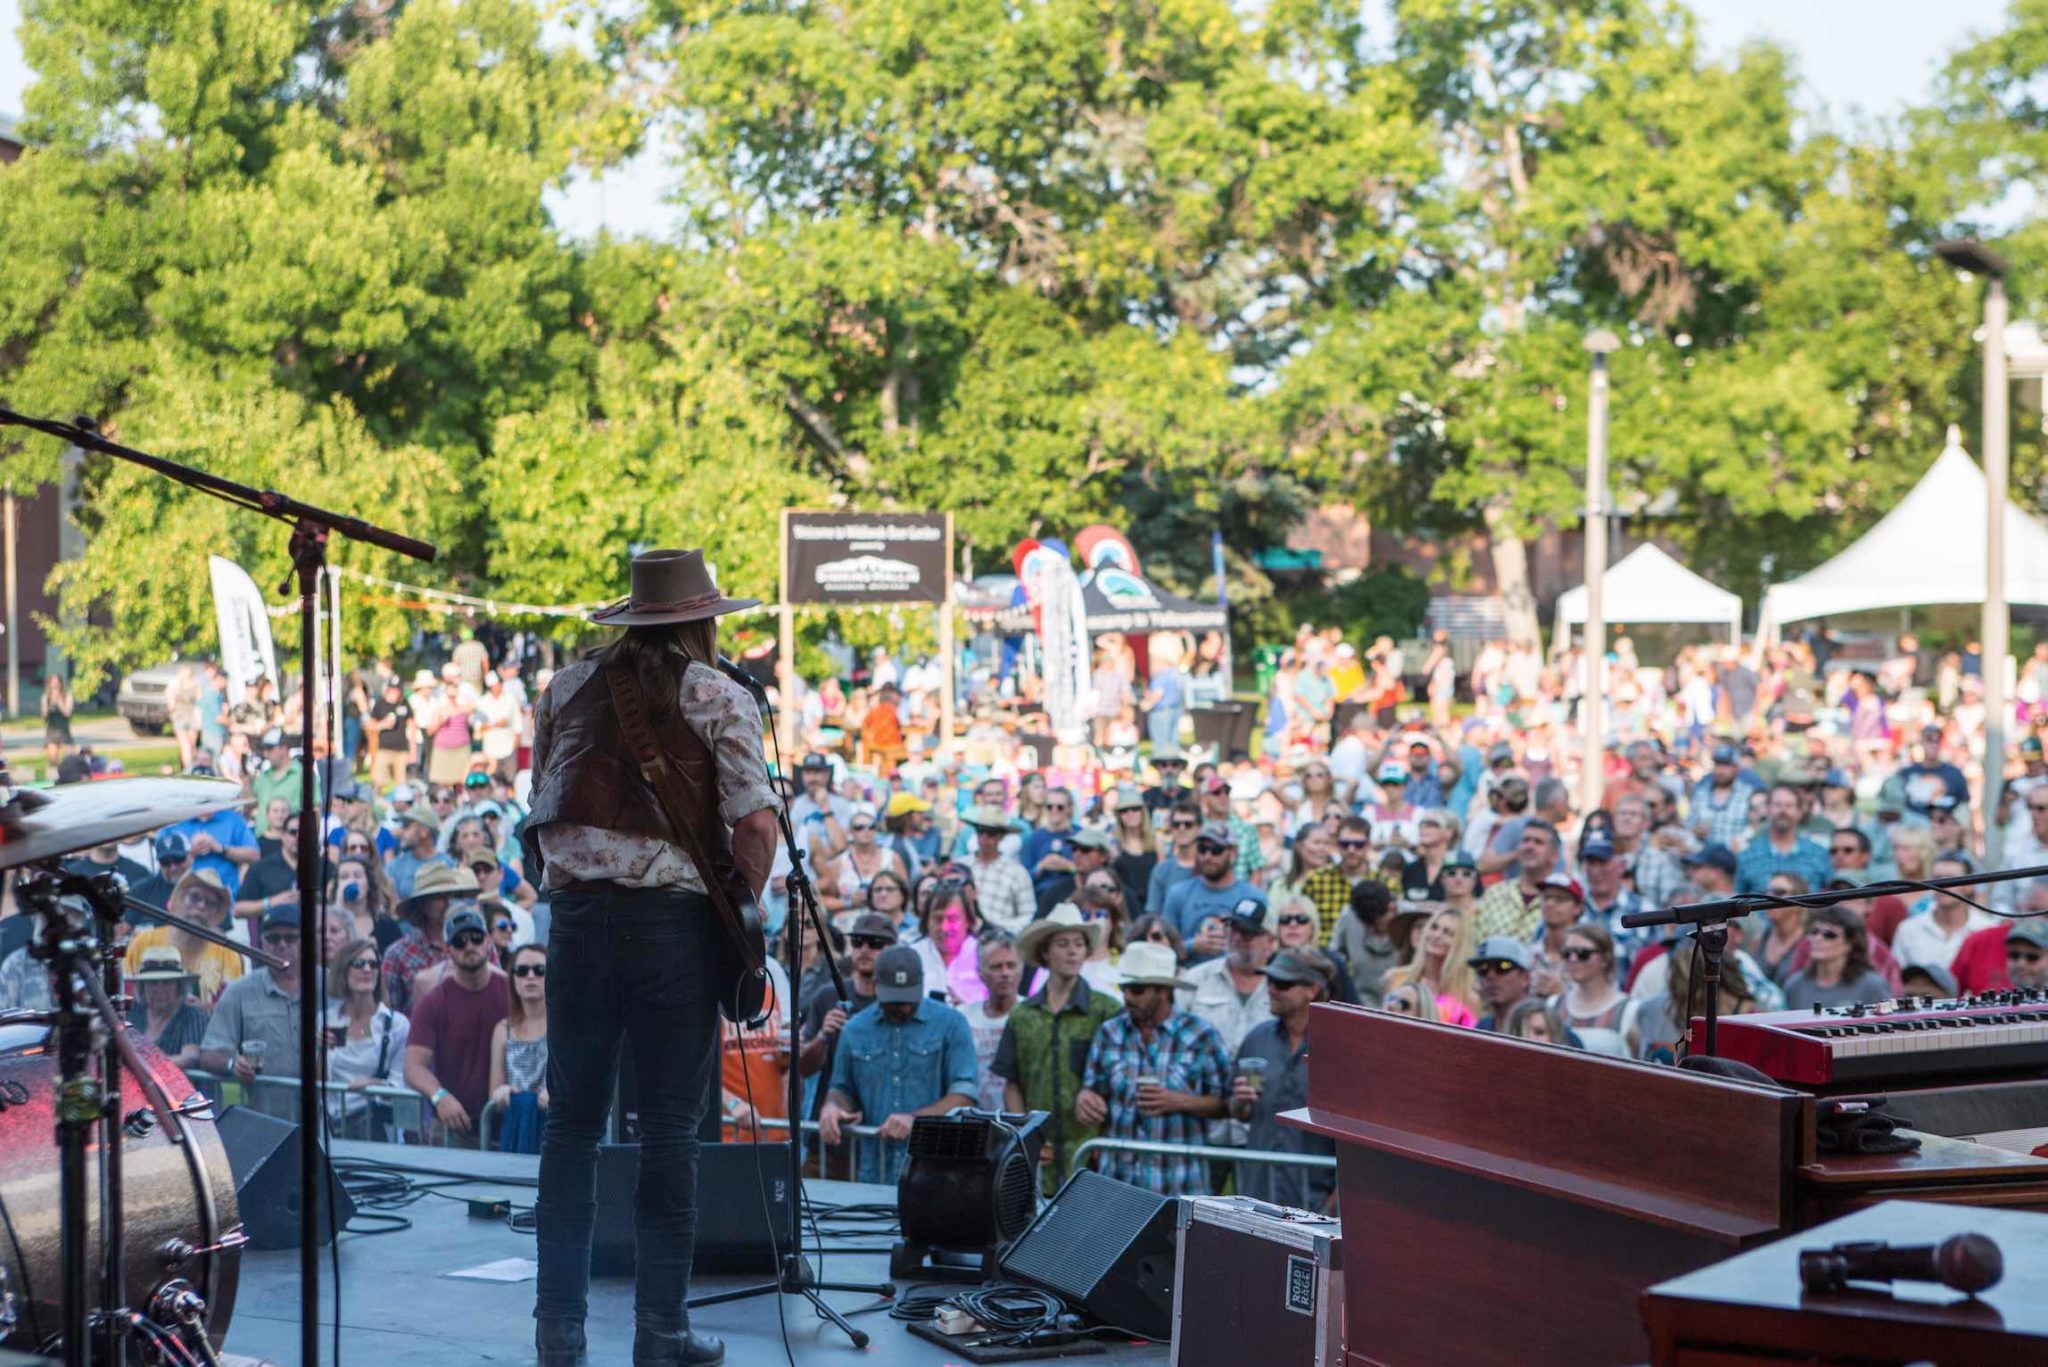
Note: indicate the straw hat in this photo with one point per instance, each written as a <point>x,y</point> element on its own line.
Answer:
<point>670,586</point>
<point>160,964</point>
<point>990,819</point>
<point>1065,916</point>
<point>438,880</point>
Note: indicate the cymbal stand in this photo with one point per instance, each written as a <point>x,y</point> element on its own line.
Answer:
<point>311,527</point>
<point>74,944</point>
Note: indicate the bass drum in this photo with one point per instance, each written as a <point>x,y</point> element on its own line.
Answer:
<point>178,1199</point>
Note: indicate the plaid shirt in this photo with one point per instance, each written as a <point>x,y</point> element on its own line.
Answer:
<point>1626,942</point>
<point>1727,822</point>
<point>1250,858</point>
<point>1330,889</point>
<point>1186,1055</point>
<point>1004,893</point>
<point>1760,859</point>
<point>404,961</point>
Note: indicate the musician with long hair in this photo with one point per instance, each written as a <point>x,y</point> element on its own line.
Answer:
<point>640,954</point>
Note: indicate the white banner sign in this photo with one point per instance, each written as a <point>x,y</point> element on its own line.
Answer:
<point>246,651</point>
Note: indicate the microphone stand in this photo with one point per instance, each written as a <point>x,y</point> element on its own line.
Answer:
<point>310,528</point>
<point>794,1276</point>
<point>1709,920</point>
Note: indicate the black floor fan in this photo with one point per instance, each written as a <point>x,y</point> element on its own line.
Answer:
<point>969,1188</point>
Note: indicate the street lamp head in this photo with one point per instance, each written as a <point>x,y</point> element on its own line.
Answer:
<point>1968,254</point>
<point>1602,342</point>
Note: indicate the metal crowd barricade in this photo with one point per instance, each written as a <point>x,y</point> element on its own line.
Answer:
<point>1210,1151</point>
<point>853,1134</point>
<point>410,1115</point>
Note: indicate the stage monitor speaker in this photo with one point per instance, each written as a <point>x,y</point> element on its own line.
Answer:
<point>1109,1248</point>
<point>733,1223</point>
<point>263,1154</point>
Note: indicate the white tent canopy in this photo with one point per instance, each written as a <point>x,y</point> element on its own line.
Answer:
<point>1928,550</point>
<point>1647,585</point>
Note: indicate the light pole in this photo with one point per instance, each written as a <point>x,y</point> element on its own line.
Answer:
<point>1978,259</point>
<point>1593,699</point>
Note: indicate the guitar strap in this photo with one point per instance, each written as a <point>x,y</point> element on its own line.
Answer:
<point>660,773</point>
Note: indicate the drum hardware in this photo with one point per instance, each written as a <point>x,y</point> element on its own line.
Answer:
<point>80,918</point>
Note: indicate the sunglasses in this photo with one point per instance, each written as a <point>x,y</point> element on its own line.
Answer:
<point>1462,873</point>
<point>1058,807</point>
<point>1825,933</point>
<point>1353,844</point>
<point>281,937</point>
<point>863,826</point>
<point>2023,956</point>
<point>466,939</point>
<point>363,963</point>
<point>869,941</point>
<point>292,829</point>
<point>355,849</point>
<point>1577,954</point>
<point>1497,968</point>
<point>1185,825</point>
<point>1210,847</point>
<point>530,971</point>
<point>1852,849</point>
<point>1297,919</point>
<point>501,925</point>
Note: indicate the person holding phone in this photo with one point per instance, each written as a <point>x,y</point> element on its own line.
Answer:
<point>365,1038</point>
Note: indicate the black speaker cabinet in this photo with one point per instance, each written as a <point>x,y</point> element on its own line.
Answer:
<point>1108,1247</point>
<point>733,1222</point>
<point>263,1154</point>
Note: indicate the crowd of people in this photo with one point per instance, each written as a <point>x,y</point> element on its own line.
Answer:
<point>1125,935</point>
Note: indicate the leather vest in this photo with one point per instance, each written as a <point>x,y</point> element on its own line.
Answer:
<point>584,772</point>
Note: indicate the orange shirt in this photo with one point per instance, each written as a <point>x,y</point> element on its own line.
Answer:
<point>756,1059</point>
<point>882,727</point>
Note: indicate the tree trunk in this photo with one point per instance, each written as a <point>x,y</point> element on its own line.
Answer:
<point>1511,574</point>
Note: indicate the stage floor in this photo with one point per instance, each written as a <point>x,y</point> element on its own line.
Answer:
<point>399,1309</point>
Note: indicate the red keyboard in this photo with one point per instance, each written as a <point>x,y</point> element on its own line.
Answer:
<point>1913,1036</point>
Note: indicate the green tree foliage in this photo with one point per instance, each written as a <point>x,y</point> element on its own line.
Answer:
<point>1180,267</point>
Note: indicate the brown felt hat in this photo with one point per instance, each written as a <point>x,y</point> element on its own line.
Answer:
<point>670,586</point>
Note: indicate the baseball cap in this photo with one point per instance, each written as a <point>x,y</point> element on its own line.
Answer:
<point>1218,833</point>
<point>875,925</point>
<point>421,816</point>
<point>1095,840</point>
<point>1944,981</point>
<point>1128,797</point>
<point>279,918</point>
<point>274,736</point>
<point>1945,803</point>
<point>1253,917</point>
<point>1565,884</point>
<point>1726,754</point>
<point>2031,747</point>
<point>1499,751</point>
<point>902,804</point>
<point>815,760</point>
<point>1393,771</point>
<point>405,792</point>
<point>1215,783</point>
<point>899,975</point>
<point>465,916</point>
<point>2028,932</point>
<point>170,845</point>
<point>476,778</point>
<point>1500,949</point>
<point>1598,845</point>
<point>1460,860</point>
<point>1715,855</point>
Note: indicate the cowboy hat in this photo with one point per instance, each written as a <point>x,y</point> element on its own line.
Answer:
<point>1148,965</point>
<point>206,880</point>
<point>990,819</point>
<point>160,963</point>
<point>670,586</point>
<point>1065,916</point>
<point>438,880</point>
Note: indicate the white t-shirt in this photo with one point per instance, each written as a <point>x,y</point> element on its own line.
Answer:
<point>501,724</point>
<point>988,1033</point>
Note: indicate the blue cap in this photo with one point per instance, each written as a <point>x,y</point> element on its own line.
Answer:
<point>171,846</point>
<point>280,918</point>
<point>1598,845</point>
<point>1727,754</point>
<point>1715,855</point>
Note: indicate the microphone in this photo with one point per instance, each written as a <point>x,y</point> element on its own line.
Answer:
<point>742,678</point>
<point>1965,1262</point>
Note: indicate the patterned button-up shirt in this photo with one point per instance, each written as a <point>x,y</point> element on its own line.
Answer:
<point>1726,819</point>
<point>1760,859</point>
<point>1505,911</point>
<point>1186,1055</point>
<point>1626,941</point>
<point>1004,893</point>
<point>1329,888</point>
<point>407,958</point>
<point>884,1067</point>
<point>725,716</point>
<point>1044,1054</point>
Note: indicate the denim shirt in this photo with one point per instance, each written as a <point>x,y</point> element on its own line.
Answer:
<point>882,1068</point>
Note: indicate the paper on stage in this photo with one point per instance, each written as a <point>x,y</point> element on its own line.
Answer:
<point>503,1270</point>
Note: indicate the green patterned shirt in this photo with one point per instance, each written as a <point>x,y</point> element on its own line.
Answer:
<point>1044,1054</point>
